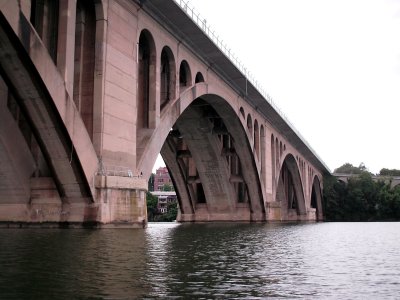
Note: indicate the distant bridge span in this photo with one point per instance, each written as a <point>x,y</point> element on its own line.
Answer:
<point>93,91</point>
<point>394,181</point>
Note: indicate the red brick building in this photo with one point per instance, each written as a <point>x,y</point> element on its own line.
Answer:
<point>162,178</point>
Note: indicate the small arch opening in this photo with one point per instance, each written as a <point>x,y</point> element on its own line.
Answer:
<point>256,139</point>
<point>199,77</point>
<point>146,75</point>
<point>85,40</point>
<point>167,77</point>
<point>273,164</point>
<point>44,17</point>
<point>185,77</point>
<point>242,112</point>
<point>249,124</point>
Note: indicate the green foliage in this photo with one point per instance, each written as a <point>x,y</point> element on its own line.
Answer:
<point>151,182</point>
<point>171,213</point>
<point>389,172</point>
<point>361,199</point>
<point>151,202</point>
<point>348,168</point>
<point>167,187</point>
<point>152,212</point>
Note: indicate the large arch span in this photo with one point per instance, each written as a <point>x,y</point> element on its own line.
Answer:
<point>207,151</point>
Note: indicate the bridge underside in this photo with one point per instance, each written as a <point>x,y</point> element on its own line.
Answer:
<point>212,177</point>
<point>42,177</point>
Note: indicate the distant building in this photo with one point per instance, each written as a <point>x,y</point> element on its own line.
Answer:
<point>162,178</point>
<point>164,198</point>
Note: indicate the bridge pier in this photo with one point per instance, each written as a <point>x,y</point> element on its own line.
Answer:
<point>202,213</point>
<point>121,201</point>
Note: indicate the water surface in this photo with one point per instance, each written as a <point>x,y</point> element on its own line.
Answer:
<point>203,261</point>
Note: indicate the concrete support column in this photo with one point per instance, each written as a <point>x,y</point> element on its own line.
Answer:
<point>101,8</point>
<point>66,42</point>
<point>122,201</point>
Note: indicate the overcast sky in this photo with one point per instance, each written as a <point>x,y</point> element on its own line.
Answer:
<point>333,67</point>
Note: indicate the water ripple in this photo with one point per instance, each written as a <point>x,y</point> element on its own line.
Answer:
<point>203,261</point>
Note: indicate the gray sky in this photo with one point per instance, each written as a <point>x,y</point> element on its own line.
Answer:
<point>333,67</point>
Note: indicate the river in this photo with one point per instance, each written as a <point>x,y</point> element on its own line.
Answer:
<point>203,261</point>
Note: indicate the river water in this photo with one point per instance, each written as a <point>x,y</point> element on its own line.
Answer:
<point>203,261</point>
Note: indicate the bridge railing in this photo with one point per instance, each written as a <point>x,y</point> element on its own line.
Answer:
<point>202,24</point>
<point>111,170</point>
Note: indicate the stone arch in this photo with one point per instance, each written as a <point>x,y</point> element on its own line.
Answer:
<point>185,76</point>
<point>316,198</point>
<point>263,152</point>
<point>277,156</point>
<point>167,77</point>
<point>67,150</point>
<point>44,17</point>
<point>273,161</point>
<point>256,139</point>
<point>250,125</point>
<point>289,190</point>
<point>85,39</point>
<point>202,124</point>
<point>146,75</point>
<point>199,77</point>
<point>242,112</point>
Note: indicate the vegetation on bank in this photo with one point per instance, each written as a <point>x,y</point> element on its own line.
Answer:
<point>152,211</point>
<point>363,198</point>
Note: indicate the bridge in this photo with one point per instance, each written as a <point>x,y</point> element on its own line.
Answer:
<point>93,90</point>
<point>394,181</point>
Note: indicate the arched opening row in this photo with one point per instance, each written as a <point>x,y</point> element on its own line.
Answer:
<point>255,133</point>
<point>302,167</point>
<point>45,18</point>
<point>277,150</point>
<point>170,80</point>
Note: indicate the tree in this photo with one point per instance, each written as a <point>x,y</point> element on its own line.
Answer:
<point>151,202</point>
<point>151,182</point>
<point>361,199</point>
<point>167,187</point>
<point>389,172</point>
<point>170,215</point>
<point>348,168</point>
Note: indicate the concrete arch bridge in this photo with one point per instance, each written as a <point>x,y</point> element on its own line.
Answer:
<point>93,90</point>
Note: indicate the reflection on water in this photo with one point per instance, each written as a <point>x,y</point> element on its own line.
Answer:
<point>253,261</point>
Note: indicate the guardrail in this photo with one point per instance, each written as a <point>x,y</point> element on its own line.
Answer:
<point>110,170</point>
